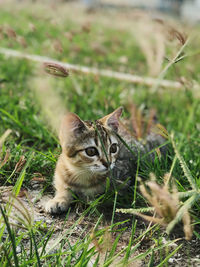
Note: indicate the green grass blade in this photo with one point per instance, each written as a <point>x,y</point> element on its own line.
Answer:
<point>184,166</point>
<point>169,256</point>
<point>11,235</point>
<point>36,249</point>
<point>20,180</point>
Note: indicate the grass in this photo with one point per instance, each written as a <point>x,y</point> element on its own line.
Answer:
<point>115,47</point>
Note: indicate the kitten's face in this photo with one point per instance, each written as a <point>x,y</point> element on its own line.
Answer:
<point>91,147</point>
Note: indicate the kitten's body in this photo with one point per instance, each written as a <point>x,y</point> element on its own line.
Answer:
<point>77,171</point>
<point>90,152</point>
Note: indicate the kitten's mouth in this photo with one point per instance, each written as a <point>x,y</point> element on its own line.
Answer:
<point>102,170</point>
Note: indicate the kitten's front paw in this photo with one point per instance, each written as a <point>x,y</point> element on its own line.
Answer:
<point>57,205</point>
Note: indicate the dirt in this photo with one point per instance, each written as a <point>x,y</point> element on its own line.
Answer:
<point>187,255</point>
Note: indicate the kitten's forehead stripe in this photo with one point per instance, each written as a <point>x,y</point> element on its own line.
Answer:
<point>97,135</point>
<point>96,138</point>
<point>102,131</point>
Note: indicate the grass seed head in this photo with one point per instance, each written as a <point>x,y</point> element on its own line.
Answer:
<point>166,204</point>
<point>57,45</point>
<point>55,69</point>
<point>21,40</point>
<point>10,32</point>
<point>143,123</point>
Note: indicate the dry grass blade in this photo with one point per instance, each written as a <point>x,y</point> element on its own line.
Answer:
<point>151,40</point>
<point>187,228</point>
<point>4,136</point>
<point>20,213</point>
<point>151,218</point>
<point>183,213</point>
<point>172,32</point>
<point>150,122</point>
<point>22,41</point>
<point>57,45</point>
<point>161,130</point>
<point>175,34</point>
<point>32,27</point>
<point>10,32</point>
<point>166,205</point>
<point>69,36</point>
<point>5,159</point>
<point>38,179</point>
<point>158,152</point>
<point>143,123</point>
<point>86,27</point>
<point>19,165</point>
<point>53,106</point>
<point>5,190</point>
<point>95,242</point>
<point>136,120</point>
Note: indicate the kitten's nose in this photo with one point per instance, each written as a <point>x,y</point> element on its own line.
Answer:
<point>105,163</point>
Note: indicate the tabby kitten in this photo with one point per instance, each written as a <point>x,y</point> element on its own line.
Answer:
<point>89,153</point>
<point>92,151</point>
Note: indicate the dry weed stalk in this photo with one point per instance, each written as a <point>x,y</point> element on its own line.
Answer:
<point>2,140</point>
<point>4,136</point>
<point>53,107</point>
<point>38,177</point>
<point>10,32</point>
<point>19,165</point>
<point>32,27</point>
<point>136,121</point>
<point>104,243</point>
<point>57,45</point>
<point>95,241</point>
<point>22,41</point>
<point>153,36</point>
<point>171,32</point>
<point>17,212</point>
<point>152,43</point>
<point>3,162</point>
<point>143,124</point>
<point>165,202</point>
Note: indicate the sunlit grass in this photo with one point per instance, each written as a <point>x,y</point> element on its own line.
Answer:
<point>33,144</point>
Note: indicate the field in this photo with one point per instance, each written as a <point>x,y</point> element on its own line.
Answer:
<point>93,233</point>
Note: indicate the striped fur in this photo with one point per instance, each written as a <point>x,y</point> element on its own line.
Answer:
<point>78,171</point>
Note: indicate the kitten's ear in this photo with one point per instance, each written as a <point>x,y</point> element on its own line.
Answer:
<point>71,125</point>
<point>112,119</point>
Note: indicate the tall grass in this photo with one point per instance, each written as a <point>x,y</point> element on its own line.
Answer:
<point>121,47</point>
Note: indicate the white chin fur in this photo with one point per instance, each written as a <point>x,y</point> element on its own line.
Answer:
<point>112,166</point>
<point>101,169</point>
<point>98,169</point>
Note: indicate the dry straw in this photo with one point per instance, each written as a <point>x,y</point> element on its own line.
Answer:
<point>165,203</point>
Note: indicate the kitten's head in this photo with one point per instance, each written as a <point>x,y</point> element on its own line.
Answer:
<point>91,146</point>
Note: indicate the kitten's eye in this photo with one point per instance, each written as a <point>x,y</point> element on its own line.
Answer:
<point>113,148</point>
<point>91,151</point>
